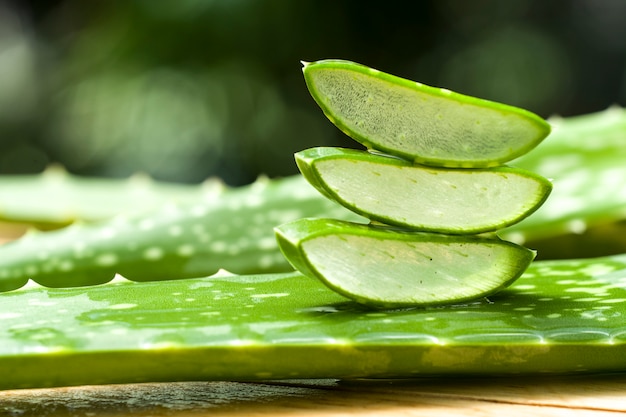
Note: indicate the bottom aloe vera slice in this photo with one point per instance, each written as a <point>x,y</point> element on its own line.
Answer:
<point>388,268</point>
<point>397,192</point>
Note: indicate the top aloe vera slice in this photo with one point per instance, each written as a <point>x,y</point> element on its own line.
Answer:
<point>396,192</point>
<point>386,268</point>
<point>428,125</point>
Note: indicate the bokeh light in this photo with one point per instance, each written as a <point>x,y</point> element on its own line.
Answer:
<point>189,89</point>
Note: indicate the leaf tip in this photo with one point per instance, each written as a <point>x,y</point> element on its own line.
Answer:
<point>222,273</point>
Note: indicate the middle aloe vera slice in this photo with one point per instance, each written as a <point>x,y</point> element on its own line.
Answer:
<point>396,192</point>
<point>387,268</point>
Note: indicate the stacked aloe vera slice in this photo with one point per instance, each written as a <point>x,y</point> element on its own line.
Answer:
<point>433,185</point>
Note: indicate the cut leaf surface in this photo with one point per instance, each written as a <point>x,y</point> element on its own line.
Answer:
<point>390,268</point>
<point>428,125</point>
<point>396,192</point>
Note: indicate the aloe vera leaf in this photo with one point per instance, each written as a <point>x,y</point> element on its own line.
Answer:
<point>428,125</point>
<point>56,198</point>
<point>585,158</point>
<point>386,268</point>
<point>234,231</point>
<point>396,192</point>
<point>560,316</point>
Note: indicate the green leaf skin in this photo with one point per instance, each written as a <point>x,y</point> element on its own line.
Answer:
<point>585,156</point>
<point>234,232</point>
<point>396,192</point>
<point>56,198</point>
<point>387,268</point>
<point>428,125</point>
<point>559,317</point>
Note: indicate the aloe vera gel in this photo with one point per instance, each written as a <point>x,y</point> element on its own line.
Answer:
<point>391,268</point>
<point>432,181</point>
<point>397,192</point>
<point>432,126</point>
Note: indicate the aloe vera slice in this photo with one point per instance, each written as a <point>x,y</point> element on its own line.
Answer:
<point>396,192</point>
<point>388,268</point>
<point>428,125</point>
<point>559,317</point>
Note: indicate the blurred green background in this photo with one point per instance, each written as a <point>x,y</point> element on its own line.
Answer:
<point>187,89</point>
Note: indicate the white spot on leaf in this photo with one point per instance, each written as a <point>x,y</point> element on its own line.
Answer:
<point>106,259</point>
<point>152,254</point>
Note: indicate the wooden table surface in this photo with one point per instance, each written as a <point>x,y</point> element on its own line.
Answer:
<point>591,395</point>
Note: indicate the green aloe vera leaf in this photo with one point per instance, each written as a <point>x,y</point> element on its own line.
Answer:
<point>428,125</point>
<point>585,158</point>
<point>233,232</point>
<point>559,317</point>
<point>56,198</point>
<point>396,192</point>
<point>386,268</point>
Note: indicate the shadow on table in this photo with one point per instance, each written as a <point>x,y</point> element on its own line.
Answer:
<point>452,396</point>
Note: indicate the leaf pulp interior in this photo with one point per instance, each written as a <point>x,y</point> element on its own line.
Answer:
<point>428,125</point>
<point>396,192</point>
<point>389,268</point>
